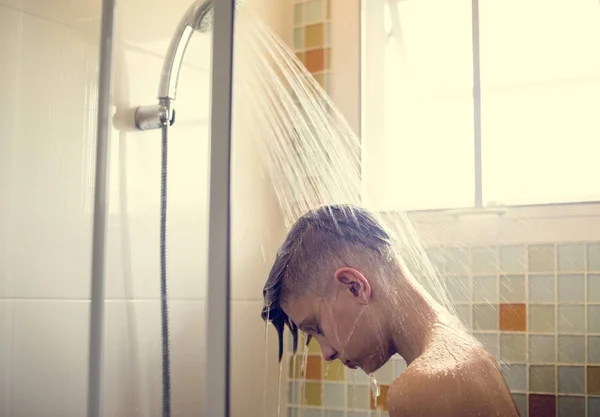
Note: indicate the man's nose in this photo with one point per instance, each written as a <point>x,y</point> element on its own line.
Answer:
<point>327,351</point>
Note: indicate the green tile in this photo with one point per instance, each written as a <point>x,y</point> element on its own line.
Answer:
<point>571,406</point>
<point>314,11</point>
<point>485,289</point>
<point>571,349</point>
<point>457,261</point>
<point>358,397</point>
<point>541,258</point>
<point>522,403</point>
<point>385,374</point>
<point>542,379</point>
<point>593,315</point>
<point>484,260</point>
<point>513,348</point>
<point>571,288</point>
<point>515,377</point>
<point>491,341</point>
<point>571,319</point>
<point>542,318</point>
<point>333,395</point>
<point>571,379</point>
<point>593,257</point>
<point>593,349</point>
<point>571,257</point>
<point>459,289</point>
<point>485,317</point>
<point>541,288</point>
<point>299,13</point>
<point>593,288</point>
<point>299,38</point>
<point>513,259</point>
<point>512,289</point>
<point>542,349</point>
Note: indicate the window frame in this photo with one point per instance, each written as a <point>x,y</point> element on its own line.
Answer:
<point>372,88</point>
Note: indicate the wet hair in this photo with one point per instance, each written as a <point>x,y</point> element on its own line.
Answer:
<point>316,236</point>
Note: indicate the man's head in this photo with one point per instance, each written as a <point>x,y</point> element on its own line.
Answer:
<point>326,280</point>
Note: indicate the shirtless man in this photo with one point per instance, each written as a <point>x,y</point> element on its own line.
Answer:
<point>337,278</point>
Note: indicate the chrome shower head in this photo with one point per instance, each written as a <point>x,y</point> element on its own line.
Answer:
<point>198,17</point>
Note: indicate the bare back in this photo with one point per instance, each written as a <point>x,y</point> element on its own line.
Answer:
<point>455,376</point>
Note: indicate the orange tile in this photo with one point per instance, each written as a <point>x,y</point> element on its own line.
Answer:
<point>314,35</point>
<point>381,400</point>
<point>315,60</point>
<point>328,58</point>
<point>313,368</point>
<point>593,380</point>
<point>513,317</point>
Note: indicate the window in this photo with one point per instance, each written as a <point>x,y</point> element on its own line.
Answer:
<point>480,102</point>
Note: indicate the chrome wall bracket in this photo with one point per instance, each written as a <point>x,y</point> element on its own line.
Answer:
<point>154,116</point>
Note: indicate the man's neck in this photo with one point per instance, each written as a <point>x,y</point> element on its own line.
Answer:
<point>418,318</point>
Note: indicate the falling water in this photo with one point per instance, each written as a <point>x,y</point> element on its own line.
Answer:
<point>354,390</point>
<point>309,152</point>
<point>375,391</point>
<point>266,367</point>
<point>280,380</point>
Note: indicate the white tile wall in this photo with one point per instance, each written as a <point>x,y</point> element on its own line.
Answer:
<point>48,83</point>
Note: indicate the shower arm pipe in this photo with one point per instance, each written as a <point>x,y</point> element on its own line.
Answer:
<point>155,116</point>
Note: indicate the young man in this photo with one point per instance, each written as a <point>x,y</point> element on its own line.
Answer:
<point>338,279</point>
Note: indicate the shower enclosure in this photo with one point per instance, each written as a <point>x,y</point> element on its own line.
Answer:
<point>80,218</point>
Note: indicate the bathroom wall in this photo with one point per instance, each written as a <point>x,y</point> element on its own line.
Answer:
<point>48,80</point>
<point>526,281</point>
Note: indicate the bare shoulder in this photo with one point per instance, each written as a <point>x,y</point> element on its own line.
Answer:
<point>442,382</point>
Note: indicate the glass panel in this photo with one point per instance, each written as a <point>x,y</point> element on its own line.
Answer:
<point>49,82</point>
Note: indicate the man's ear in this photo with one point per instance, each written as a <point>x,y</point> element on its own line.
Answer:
<point>355,283</point>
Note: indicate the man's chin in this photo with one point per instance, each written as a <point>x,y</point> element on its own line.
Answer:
<point>372,365</point>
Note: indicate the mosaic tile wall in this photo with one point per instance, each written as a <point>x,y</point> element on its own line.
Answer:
<point>536,308</point>
<point>312,38</point>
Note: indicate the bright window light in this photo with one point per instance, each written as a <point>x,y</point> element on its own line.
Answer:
<point>540,102</point>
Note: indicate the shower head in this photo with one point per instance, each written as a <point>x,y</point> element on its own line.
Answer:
<point>198,17</point>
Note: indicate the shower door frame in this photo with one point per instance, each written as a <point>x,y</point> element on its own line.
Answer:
<point>218,294</point>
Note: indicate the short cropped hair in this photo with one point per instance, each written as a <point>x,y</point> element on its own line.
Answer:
<point>316,236</point>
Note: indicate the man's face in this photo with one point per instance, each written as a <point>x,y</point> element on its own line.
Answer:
<point>343,323</point>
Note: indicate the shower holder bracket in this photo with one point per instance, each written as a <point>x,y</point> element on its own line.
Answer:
<point>154,116</point>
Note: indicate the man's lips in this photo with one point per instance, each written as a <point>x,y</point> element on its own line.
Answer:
<point>350,365</point>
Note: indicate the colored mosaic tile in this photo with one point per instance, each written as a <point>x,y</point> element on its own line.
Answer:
<point>313,394</point>
<point>381,402</point>
<point>593,380</point>
<point>314,60</point>
<point>513,317</point>
<point>542,405</point>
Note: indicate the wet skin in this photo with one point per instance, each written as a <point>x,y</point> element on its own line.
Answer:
<point>449,372</point>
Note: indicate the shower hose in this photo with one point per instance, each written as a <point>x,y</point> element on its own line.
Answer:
<point>166,371</point>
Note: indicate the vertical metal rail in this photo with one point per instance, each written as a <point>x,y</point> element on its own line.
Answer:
<point>218,310</point>
<point>477,105</point>
<point>95,375</point>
